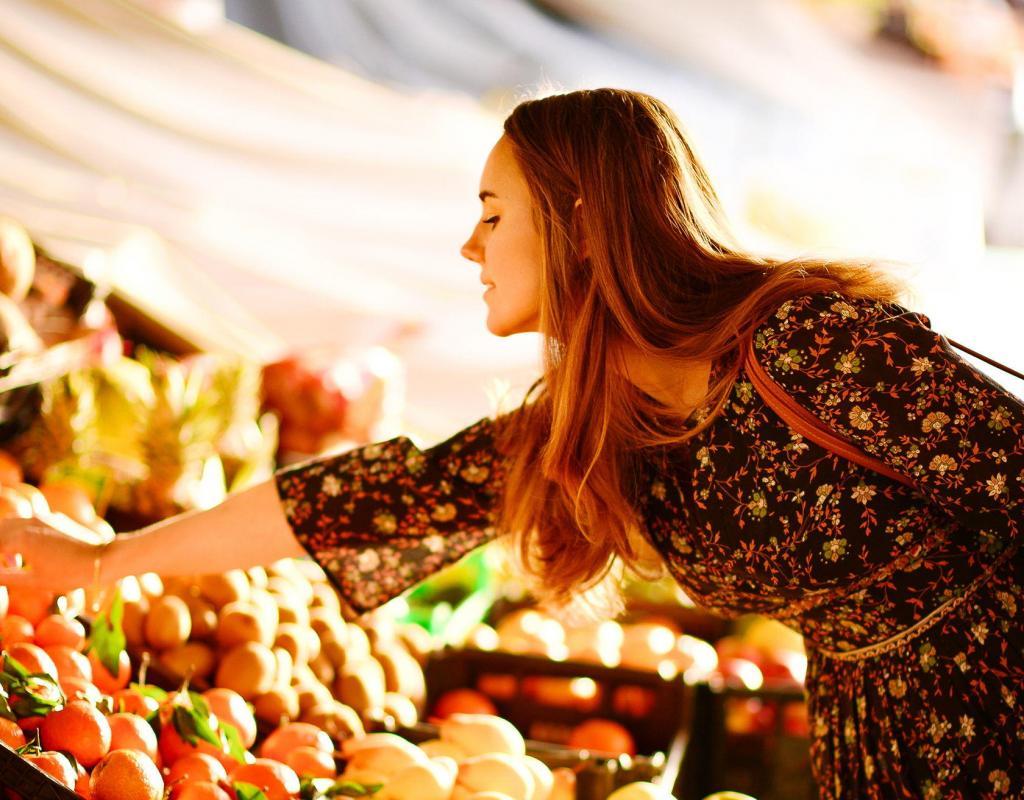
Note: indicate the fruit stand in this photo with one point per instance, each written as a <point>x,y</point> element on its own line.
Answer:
<point>249,683</point>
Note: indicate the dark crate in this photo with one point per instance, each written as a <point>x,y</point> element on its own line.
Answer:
<point>660,734</point>
<point>28,780</point>
<point>770,764</point>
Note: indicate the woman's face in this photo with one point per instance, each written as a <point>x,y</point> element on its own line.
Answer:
<point>507,246</point>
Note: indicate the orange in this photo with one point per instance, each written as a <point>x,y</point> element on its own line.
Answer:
<point>10,734</point>
<point>30,603</point>
<point>308,762</point>
<point>78,728</point>
<point>199,790</point>
<point>126,775</point>
<point>274,779</point>
<point>10,470</point>
<point>5,601</point>
<point>173,747</point>
<point>132,702</point>
<point>58,629</point>
<point>33,658</point>
<point>82,783</point>
<point>15,628</point>
<point>76,688</point>
<point>602,735</point>
<point>463,701</point>
<point>132,732</point>
<point>69,662</point>
<point>56,766</point>
<point>230,707</point>
<point>107,683</point>
<point>293,735</point>
<point>71,500</point>
<point>197,767</point>
<point>29,725</point>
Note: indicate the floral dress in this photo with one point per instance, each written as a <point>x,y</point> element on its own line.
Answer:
<point>909,597</point>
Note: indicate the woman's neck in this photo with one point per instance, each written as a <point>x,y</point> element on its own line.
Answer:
<point>676,384</point>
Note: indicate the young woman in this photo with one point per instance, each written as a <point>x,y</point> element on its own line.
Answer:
<point>653,430</point>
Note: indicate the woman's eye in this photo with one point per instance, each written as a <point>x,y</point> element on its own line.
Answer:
<point>491,220</point>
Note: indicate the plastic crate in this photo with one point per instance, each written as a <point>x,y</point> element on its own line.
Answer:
<point>28,780</point>
<point>769,763</point>
<point>660,732</point>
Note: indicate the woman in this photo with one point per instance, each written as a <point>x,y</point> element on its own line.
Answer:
<point>601,230</point>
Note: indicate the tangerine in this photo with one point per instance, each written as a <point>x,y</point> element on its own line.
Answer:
<point>107,683</point>
<point>173,747</point>
<point>294,735</point>
<point>33,658</point>
<point>132,732</point>
<point>76,688</point>
<point>69,662</point>
<point>15,628</point>
<point>56,766</point>
<point>133,702</point>
<point>82,783</point>
<point>602,735</point>
<point>199,790</point>
<point>78,728</point>
<point>197,767</point>
<point>276,780</point>
<point>463,701</point>
<point>230,707</point>
<point>57,629</point>
<point>10,734</point>
<point>309,762</point>
<point>126,775</point>
<point>31,603</point>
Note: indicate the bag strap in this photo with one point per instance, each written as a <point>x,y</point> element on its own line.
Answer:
<point>986,359</point>
<point>807,424</point>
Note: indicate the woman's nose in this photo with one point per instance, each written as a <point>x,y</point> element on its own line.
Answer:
<point>471,250</point>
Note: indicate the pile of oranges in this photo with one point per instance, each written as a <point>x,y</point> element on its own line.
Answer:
<point>106,738</point>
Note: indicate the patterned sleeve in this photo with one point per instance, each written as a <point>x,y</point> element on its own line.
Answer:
<point>880,377</point>
<point>381,518</point>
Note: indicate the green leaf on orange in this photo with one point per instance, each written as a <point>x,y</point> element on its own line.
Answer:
<point>193,726</point>
<point>107,635</point>
<point>246,791</point>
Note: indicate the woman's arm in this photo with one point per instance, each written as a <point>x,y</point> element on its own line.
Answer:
<point>247,529</point>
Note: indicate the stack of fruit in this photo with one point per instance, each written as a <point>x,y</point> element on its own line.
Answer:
<point>275,636</point>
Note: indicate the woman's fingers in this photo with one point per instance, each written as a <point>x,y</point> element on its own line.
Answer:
<point>35,553</point>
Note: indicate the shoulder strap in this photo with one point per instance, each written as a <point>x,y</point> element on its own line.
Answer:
<point>986,359</point>
<point>807,424</point>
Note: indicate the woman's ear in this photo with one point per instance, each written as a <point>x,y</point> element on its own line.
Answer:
<point>577,210</point>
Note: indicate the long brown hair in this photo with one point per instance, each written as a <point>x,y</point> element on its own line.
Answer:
<point>660,273</point>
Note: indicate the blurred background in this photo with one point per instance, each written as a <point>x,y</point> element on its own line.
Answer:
<point>298,175</point>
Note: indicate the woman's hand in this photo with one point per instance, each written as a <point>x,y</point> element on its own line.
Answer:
<point>52,553</point>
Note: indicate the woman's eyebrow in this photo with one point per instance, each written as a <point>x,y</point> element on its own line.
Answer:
<point>485,194</point>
